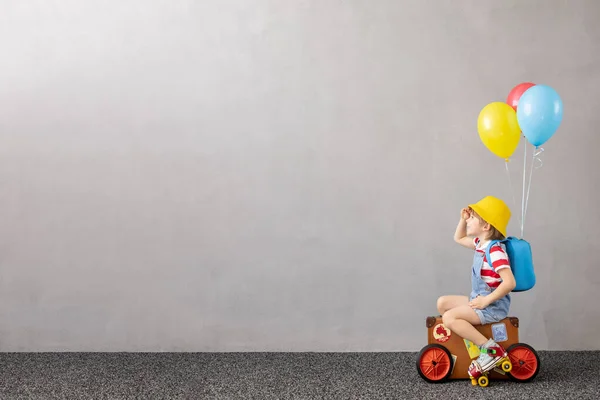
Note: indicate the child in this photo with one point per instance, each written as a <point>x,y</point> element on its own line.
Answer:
<point>491,281</point>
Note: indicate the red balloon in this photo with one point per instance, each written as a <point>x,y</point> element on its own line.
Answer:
<point>516,93</point>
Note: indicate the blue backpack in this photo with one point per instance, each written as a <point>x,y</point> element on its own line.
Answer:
<point>521,261</point>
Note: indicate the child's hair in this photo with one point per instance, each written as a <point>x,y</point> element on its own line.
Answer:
<point>494,233</point>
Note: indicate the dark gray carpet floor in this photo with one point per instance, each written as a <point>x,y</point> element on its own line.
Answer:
<point>563,375</point>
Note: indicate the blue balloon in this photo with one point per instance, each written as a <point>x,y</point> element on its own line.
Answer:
<point>539,113</point>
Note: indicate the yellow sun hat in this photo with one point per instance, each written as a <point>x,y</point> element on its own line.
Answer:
<point>494,211</point>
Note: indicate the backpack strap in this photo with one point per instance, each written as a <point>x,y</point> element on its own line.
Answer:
<point>487,251</point>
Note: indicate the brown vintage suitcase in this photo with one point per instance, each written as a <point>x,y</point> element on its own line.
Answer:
<point>504,332</point>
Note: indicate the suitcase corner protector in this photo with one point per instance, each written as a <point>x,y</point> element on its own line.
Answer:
<point>430,321</point>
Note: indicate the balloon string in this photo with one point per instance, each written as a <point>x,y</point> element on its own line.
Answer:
<point>512,192</point>
<point>523,197</point>
<point>540,150</point>
<point>535,157</point>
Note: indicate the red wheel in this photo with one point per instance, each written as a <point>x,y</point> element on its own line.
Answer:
<point>434,363</point>
<point>525,362</point>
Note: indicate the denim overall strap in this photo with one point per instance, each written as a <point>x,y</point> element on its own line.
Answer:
<point>478,285</point>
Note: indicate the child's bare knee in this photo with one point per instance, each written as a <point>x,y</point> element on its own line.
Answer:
<point>448,318</point>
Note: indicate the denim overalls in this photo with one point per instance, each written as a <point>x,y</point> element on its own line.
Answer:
<point>496,311</point>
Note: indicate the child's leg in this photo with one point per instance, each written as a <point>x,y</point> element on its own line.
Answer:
<point>491,353</point>
<point>461,320</point>
<point>446,303</point>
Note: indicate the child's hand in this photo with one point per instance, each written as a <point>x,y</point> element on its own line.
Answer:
<point>479,302</point>
<point>465,213</point>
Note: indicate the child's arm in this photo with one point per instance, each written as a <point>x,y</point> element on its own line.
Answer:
<point>507,285</point>
<point>460,236</point>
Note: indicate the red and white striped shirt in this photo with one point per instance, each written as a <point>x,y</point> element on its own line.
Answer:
<point>500,260</point>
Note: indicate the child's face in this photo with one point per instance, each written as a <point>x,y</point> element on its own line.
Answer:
<point>475,226</point>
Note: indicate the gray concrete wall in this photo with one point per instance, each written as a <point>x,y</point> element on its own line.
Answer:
<point>281,175</point>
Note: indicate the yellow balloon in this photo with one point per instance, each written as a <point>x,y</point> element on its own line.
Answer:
<point>499,129</point>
